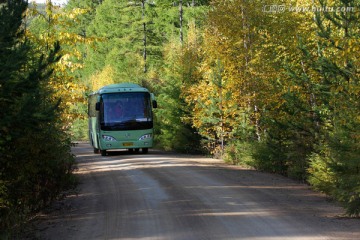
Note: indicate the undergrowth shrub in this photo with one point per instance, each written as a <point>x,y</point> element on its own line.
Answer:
<point>239,153</point>
<point>335,170</point>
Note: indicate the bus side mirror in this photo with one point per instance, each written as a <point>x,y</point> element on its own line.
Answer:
<point>97,106</point>
<point>154,103</point>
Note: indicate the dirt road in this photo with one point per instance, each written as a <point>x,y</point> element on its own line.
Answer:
<point>169,196</point>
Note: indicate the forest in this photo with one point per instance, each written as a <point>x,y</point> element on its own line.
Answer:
<point>271,86</point>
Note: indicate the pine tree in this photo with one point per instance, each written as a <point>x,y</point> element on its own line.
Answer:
<point>35,151</point>
<point>127,41</point>
<point>176,131</point>
<point>12,59</point>
<point>335,165</point>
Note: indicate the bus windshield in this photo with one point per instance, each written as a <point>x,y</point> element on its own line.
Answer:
<point>126,111</point>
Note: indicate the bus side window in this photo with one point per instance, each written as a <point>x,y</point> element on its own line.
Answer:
<point>91,106</point>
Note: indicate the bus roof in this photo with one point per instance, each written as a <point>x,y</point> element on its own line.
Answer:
<point>121,87</point>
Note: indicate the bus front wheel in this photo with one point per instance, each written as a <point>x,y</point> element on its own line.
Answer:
<point>103,152</point>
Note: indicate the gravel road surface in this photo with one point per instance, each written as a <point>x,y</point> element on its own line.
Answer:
<point>170,196</point>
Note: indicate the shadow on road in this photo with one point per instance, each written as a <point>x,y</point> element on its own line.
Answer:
<point>171,196</point>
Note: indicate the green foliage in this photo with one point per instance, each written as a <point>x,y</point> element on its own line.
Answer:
<point>336,177</point>
<point>36,162</point>
<point>240,153</point>
<point>128,42</point>
<point>79,130</point>
<point>269,156</point>
<point>335,164</point>
<point>175,133</point>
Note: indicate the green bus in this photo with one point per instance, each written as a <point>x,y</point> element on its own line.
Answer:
<point>121,117</point>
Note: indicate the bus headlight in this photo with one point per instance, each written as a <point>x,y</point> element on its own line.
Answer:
<point>108,138</point>
<point>146,136</point>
